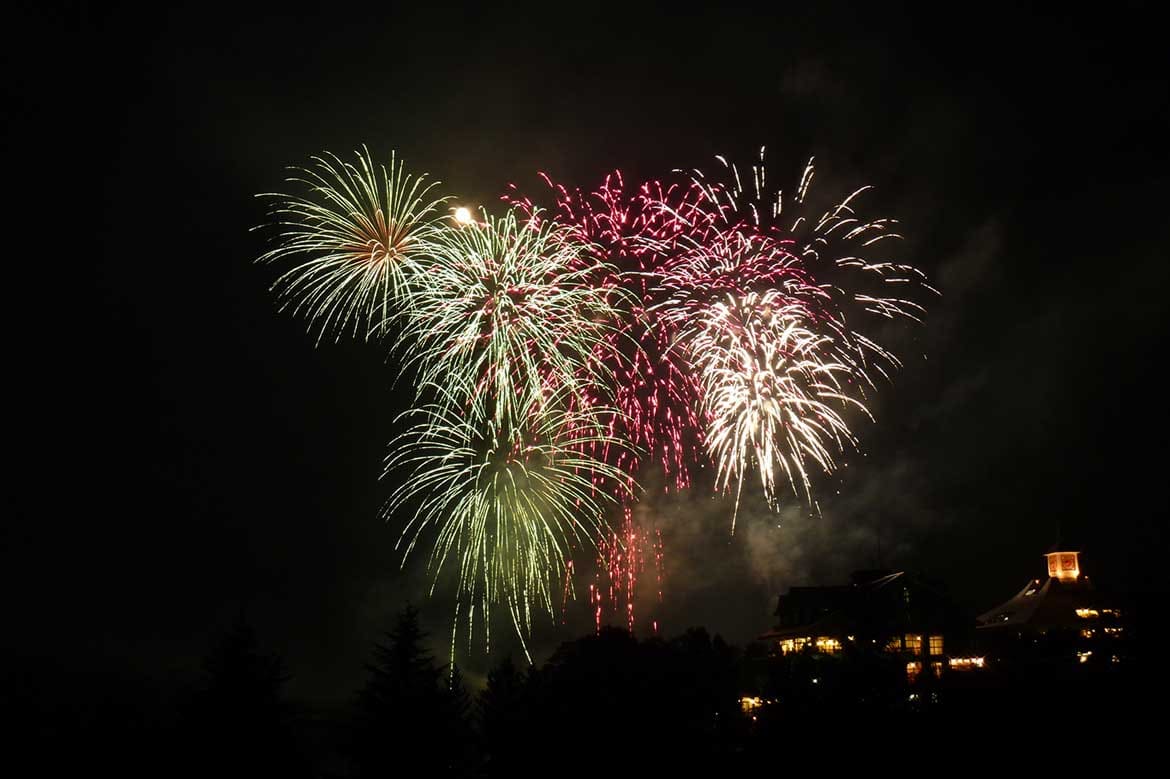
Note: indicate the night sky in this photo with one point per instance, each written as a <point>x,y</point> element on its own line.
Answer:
<point>184,454</point>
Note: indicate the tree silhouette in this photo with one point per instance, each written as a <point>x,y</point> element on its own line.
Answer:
<point>407,713</point>
<point>504,708</point>
<point>238,721</point>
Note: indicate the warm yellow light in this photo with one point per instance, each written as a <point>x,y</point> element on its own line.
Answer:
<point>1063,565</point>
<point>750,703</point>
<point>1084,656</point>
<point>1087,613</point>
<point>965,663</point>
<point>463,215</point>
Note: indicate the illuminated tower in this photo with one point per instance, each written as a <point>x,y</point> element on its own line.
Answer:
<point>1063,616</point>
<point>1063,566</point>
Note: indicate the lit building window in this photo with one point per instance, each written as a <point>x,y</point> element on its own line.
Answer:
<point>1087,613</point>
<point>1087,633</point>
<point>936,667</point>
<point>828,645</point>
<point>894,644</point>
<point>750,703</point>
<point>936,645</point>
<point>965,663</point>
<point>1112,612</point>
<point>912,670</point>
<point>1084,656</point>
<point>913,644</point>
<point>790,645</point>
<point>1112,631</point>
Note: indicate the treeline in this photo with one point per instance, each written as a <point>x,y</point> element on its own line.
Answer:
<point>601,701</point>
<point>606,703</point>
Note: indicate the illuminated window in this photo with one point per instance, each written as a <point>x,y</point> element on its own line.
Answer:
<point>1087,633</point>
<point>894,644</point>
<point>828,645</point>
<point>936,666</point>
<point>965,663</point>
<point>1087,613</point>
<point>1112,631</point>
<point>913,644</point>
<point>912,671</point>
<point>936,645</point>
<point>1084,656</point>
<point>748,704</point>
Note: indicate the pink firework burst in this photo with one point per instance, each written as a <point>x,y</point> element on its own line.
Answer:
<point>637,233</point>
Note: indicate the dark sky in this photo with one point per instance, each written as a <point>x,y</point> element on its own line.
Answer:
<point>184,452</point>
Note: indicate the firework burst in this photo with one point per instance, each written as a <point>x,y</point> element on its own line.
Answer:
<point>354,241</point>
<point>507,506</point>
<point>563,354</point>
<point>767,237</point>
<point>772,306</point>
<point>506,314</point>
<point>634,231</point>
<point>772,390</point>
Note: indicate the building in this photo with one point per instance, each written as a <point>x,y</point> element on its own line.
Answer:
<point>888,611</point>
<point>1061,619</point>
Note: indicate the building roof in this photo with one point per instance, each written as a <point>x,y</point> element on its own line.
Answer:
<point>876,603</point>
<point>1044,603</point>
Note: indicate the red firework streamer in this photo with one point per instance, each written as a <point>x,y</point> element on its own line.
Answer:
<point>635,234</point>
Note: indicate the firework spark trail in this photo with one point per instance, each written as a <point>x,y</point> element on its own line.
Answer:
<point>506,505</point>
<point>355,240</point>
<point>768,324</point>
<point>842,288</point>
<point>772,391</point>
<point>633,232</point>
<point>505,312</point>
